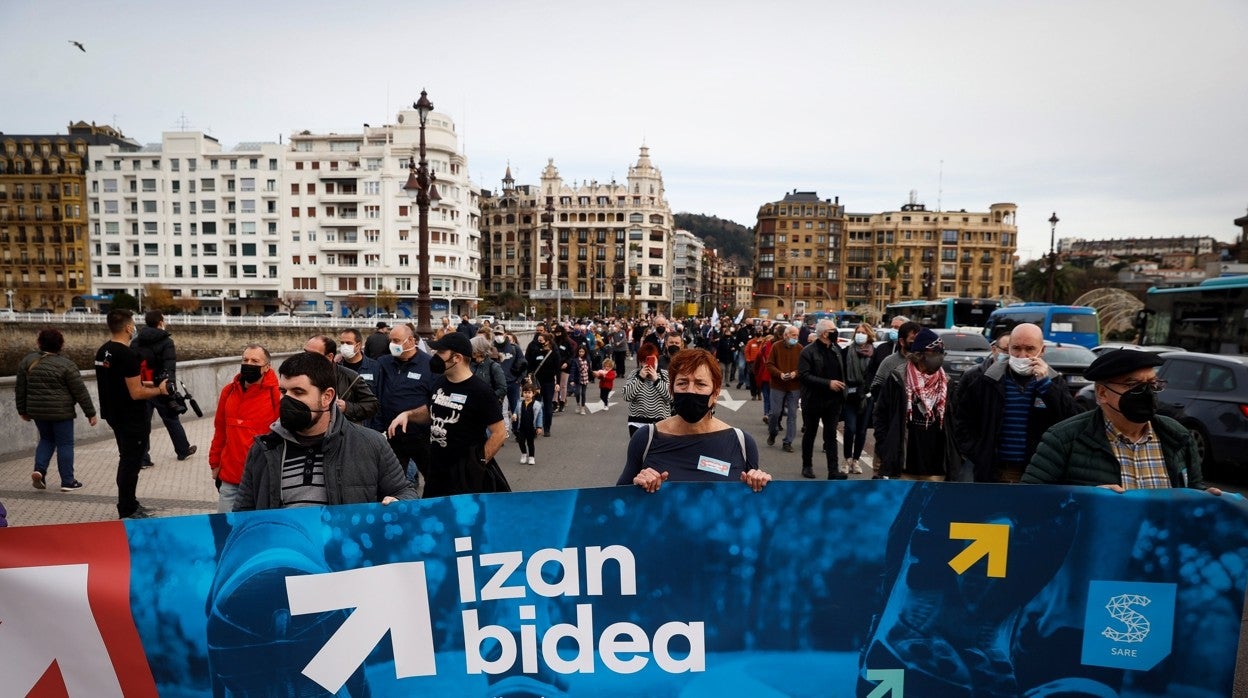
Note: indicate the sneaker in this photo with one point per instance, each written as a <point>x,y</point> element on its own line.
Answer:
<point>189,453</point>
<point>146,464</point>
<point>532,460</point>
<point>36,480</point>
<point>843,467</point>
<point>856,467</point>
<point>71,486</point>
<point>771,438</point>
<point>141,513</point>
<point>788,447</point>
<point>606,408</point>
<point>523,459</point>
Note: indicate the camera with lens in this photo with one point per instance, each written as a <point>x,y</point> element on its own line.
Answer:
<point>176,400</point>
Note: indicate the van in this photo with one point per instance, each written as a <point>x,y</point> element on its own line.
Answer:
<point>1064,324</point>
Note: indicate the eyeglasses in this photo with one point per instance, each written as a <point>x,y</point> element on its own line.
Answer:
<point>1155,386</point>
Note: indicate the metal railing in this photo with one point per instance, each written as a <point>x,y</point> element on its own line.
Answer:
<point>237,320</point>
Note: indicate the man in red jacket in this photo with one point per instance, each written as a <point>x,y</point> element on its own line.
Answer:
<point>248,405</point>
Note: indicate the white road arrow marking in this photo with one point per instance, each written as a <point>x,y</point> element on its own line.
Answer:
<point>726,400</point>
<point>390,598</point>
<point>45,616</point>
<point>596,406</point>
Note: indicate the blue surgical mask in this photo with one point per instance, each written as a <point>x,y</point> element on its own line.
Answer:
<point>860,338</point>
<point>792,341</point>
<point>892,335</point>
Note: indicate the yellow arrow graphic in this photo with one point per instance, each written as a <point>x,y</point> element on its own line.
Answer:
<point>987,540</point>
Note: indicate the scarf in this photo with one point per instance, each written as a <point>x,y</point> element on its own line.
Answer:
<point>930,389</point>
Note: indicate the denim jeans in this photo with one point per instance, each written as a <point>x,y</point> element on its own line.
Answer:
<point>177,434</point>
<point>55,436</point>
<point>856,424</point>
<point>741,374</point>
<point>765,389</point>
<point>225,498</point>
<point>786,401</point>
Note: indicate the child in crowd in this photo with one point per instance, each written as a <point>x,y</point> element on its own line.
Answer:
<point>606,381</point>
<point>526,423</point>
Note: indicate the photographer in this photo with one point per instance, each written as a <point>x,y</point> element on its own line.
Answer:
<point>156,353</point>
<point>123,404</point>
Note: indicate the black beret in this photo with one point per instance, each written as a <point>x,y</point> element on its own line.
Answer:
<point>1120,362</point>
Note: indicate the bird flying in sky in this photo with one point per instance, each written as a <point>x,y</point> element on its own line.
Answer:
<point>79,45</point>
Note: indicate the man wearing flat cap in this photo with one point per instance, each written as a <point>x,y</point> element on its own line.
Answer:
<point>462,409</point>
<point>1123,444</point>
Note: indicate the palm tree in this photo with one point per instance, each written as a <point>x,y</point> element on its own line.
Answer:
<point>892,269</point>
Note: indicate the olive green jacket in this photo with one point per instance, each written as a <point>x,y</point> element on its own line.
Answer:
<point>1076,451</point>
<point>50,390</point>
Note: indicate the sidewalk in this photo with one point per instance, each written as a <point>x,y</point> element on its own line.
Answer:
<point>177,488</point>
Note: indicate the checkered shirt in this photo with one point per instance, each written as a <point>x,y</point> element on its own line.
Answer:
<point>1142,463</point>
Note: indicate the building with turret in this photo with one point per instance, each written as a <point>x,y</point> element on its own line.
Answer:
<point>607,246</point>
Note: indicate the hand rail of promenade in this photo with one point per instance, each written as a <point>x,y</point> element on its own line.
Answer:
<point>240,321</point>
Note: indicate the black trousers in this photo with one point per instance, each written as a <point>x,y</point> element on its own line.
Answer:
<point>413,447</point>
<point>814,412</point>
<point>132,436</point>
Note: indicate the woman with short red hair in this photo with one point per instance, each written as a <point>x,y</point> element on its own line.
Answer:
<point>692,445</point>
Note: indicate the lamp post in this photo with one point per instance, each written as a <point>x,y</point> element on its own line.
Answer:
<point>1052,255</point>
<point>420,187</point>
<point>9,292</point>
<point>548,217</point>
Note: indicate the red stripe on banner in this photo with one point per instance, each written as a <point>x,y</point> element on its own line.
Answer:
<point>105,549</point>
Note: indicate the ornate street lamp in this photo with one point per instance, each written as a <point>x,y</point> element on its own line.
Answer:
<point>1052,255</point>
<point>420,188</point>
<point>548,217</point>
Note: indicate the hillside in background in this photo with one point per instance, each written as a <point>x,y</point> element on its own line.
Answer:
<point>733,240</point>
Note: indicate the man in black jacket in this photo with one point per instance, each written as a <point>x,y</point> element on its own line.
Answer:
<point>378,343</point>
<point>822,379</point>
<point>1003,411</point>
<point>355,400</point>
<point>156,351</point>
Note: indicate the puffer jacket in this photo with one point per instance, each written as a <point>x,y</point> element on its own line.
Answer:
<point>360,467</point>
<point>1077,452</point>
<point>50,391</point>
<point>490,372</point>
<point>242,415</point>
<point>362,404</point>
<point>156,347</point>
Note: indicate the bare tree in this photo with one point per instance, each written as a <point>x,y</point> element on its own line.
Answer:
<point>357,303</point>
<point>187,304</point>
<point>291,300</point>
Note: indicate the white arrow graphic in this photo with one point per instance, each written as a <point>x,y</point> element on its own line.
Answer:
<point>390,598</point>
<point>726,400</point>
<point>596,407</point>
<point>30,640</point>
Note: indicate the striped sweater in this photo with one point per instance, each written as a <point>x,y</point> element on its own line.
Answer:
<point>648,400</point>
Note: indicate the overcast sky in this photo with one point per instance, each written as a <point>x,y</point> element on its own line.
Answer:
<point>1126,118</point>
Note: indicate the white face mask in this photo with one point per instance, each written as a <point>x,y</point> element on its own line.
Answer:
<point>396,349</point>
<point>347,351</point>
<point>1020,364</point>
<point>860,338</point>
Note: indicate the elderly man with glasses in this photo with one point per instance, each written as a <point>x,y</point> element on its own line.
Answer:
<point>1123,444</point>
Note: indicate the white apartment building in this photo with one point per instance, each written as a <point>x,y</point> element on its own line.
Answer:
<point>686,267</point>
<point>187,215</point>
<point>350,230</point>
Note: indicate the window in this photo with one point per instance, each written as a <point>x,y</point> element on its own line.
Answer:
<point>247,184</point>
<point>208,184</point>
<point>149,207</point>
<point>110,186</point>
<point>249,249</point>
<point>110,206</point>
<point>247,206</point>
<point>949,236</point>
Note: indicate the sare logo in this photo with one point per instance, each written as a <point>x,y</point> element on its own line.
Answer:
<point>1128,625</point>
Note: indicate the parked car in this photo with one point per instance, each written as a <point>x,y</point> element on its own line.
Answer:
<point>1070,360</point>
<point>1156,348</point>
<point>1208,394</point>
<point>478,320</point>
<point>963,350</point>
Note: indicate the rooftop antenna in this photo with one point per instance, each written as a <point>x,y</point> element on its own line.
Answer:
<point>940,188</point>
<point>183,122</point>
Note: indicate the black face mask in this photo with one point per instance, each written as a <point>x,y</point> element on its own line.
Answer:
<point>1138,406</point>
<point>437,365</point>
<point>295,416</point>
<point>249,373</point>
<point>933,362</point>
<point>692,407</point>
<point>672,351</point>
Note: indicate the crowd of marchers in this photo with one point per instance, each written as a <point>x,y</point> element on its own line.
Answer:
<point>358,418</point>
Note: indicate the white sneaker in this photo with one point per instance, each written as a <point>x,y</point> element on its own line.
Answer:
<point>532,460</point>
<point>606,408</point>
<point>523,459</point>
<point>843,468</point>
<point>855,467</point>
